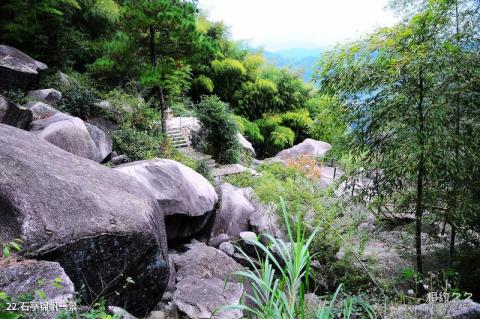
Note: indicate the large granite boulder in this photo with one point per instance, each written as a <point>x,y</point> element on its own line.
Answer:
<point>240,211</point>
<point>206,283</point>
<point>41,110</point>
<point>14,115</point>
<point>235,210</point>
<point>71,133</point>
<point>17,70</point>
<point>39,279</point>
<point>102,226</point>
<point>49,96</point>
<point>308,147</point>
<point>186,197</point>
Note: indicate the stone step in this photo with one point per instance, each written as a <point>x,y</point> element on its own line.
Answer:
<point>176,142</point>
<point>175,135</point>
<point>177,138</point>
<point>181,145</point>
<point>174,131</point>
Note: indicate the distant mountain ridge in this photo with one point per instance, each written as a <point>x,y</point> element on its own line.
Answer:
<point>298,59</point>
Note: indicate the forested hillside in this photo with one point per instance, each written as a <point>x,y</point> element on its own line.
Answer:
<point>171,59</point>
<point>150,163</point>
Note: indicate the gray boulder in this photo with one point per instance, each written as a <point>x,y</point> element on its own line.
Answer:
<point>168,311</point>
<point>218,240</point>
<point>235,210</point>
<point>308,147</point>
<point>29,276</point>
<point>204,261</point>
<point>89,218</point>
<point>455,309</point>
<point>14,115</point>
<point>227,248</point>
<point>17,70</point>
<point>202,298</point>
<point>246,145</point>
<point>206,283</point>
<point>68,133</point>
<point>120,159</point>
<point>49,96</point>
<point>41,110</point>
<point>264,220</point>
<point>240,211</point>
<point>71,133</point>
<point>186,197</point>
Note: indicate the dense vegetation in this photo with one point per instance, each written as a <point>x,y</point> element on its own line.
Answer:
<point>412,92</point>
<point>169,54</point>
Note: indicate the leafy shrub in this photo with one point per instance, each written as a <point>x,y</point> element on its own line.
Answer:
<point>282,137</point>
<point>136,144</point>
<point>301,190</point>
<point>203,169</point>
<point>250,130</point>
<point>329,118</point>
<point>79,97</point>
<point>80,102</point>
<point>220,129</point>
<point>299,122</point>
<point>15,96</point>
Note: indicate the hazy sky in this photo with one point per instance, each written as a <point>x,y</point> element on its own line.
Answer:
<point>279,24</point>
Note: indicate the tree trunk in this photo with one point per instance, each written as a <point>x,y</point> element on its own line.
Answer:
<point>419,205</point>
<point>163,108</point>
<point>456,181</point>
<point>158,89</point>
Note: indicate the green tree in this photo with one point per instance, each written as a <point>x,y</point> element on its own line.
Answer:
<point>329,118</point>
<point>220,129</point>
<point>153,41</point>
<point>58,32</point>
<point>254,99</point>
<point>390,87</point>
<point>228,75</point>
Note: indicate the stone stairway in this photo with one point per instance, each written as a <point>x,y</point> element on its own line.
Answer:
<point>209,161</point>
<point>177,137</point>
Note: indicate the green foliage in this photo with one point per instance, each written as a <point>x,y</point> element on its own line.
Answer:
<point>253,99</point>
<point>299,122</point>
<point>79,97</point>
<point>58,32</point>
<point>408,103</point>
<point>203,169</point>
<point>220,129</point>
<point>293,92</point>
<point>8,247</point>
<point>201,85</point>
<point>228,75</point>
<point>280,296</point>
<point>137,144</point>
<point>4,300</point>
<point>249,129</point>
<point>282,137</point>
<point>15,96</point>
<point>281,280</point>
<point>329,118</point>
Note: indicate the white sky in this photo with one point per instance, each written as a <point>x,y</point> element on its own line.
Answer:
<point>280,24</point>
